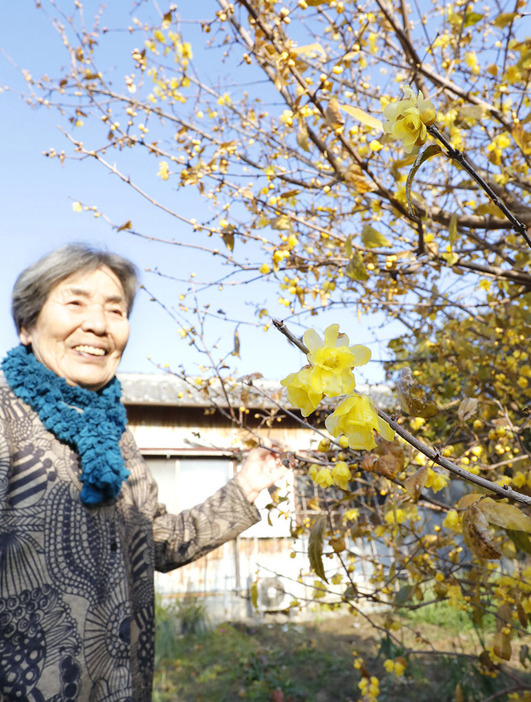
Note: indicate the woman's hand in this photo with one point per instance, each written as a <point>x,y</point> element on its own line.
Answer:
<point>261,469</point>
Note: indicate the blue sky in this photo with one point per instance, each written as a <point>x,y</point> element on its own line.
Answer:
<point>37,216</point>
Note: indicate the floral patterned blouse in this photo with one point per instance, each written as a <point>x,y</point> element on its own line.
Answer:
<point>76,582</point>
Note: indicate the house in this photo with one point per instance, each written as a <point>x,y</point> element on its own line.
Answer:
<point>191,445</point>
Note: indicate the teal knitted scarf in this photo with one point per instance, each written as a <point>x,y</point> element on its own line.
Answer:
<point>90,422</point>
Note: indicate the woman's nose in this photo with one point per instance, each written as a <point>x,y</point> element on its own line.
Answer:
<point>95,320</point>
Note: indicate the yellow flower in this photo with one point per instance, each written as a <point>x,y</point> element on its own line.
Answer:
<point>321,476</point>
<point>451,521</point>
<point>341,474</point>
<point>164,171</point>
<point>407,119</point>
<point>356,417</point>
<point>332,361</point>
<point>300,392</point>
<point>436,481</point>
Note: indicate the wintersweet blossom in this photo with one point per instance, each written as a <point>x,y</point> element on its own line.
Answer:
<point>341,474</point>
<point>332,361</point>
<point>407,119</point>
<point>300,392</point>
<point>356,417</point>
<point>321,476</point>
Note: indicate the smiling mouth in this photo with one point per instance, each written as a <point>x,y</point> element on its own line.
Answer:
<point>92,350</point>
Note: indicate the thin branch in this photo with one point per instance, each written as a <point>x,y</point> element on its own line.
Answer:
<point>432,453</point>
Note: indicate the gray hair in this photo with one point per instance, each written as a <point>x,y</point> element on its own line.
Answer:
<point>34,284</point>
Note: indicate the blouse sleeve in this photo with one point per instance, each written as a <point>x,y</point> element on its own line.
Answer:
<point>182,538</point>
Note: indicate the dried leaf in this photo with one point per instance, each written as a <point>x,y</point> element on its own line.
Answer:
<point>315,547</point>
<point>467,408</point>
<point>502,646</point>
<point>522,616</point>
<point>228,239</point>
<point>363,117</point>
<point>333,116</point>
<point>126,225</point>
<point>477,535</point>
<point>236,350</point>
<point>415,483</point>
<point>354,176</point>
<point>387,465</point>
<point>413,398</point>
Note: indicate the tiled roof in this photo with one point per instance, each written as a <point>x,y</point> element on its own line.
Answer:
<point>170,390</point>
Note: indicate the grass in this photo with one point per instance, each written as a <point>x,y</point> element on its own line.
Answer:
<point>313,662</point>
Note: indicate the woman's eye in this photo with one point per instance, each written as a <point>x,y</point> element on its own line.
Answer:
<point>74,303</point>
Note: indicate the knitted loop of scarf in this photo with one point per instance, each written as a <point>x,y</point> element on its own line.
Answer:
<point>90,422</point>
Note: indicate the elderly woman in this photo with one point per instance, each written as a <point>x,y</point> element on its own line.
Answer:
<point>81,528</point>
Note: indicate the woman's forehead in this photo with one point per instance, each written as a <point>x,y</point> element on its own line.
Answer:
<point>99,281</point>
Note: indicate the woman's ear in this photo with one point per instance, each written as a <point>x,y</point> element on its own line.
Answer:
<point>25,336</point>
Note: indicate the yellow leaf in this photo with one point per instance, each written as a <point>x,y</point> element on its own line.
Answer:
<point>468,500</point>
<point>372,238</point>
<point>302,137</point>
<point>363,117</point>
<point>127,225</point>
<point>309,50</point>
<point>505,515</point>
<point>488,208</point>
<point>522,138</point>
<point>254,594</point>
<point>452,229</point>
<point>477,535</point>
<point>504,19</point>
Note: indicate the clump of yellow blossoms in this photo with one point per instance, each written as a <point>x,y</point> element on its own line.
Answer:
<point>407,119</point>
<point>356,417</point>
<point>329,373</point>
<point>331,361</point>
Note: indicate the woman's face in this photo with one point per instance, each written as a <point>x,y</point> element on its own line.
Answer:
<point>82,328</point>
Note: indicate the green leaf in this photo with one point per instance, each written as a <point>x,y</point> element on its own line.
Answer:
<point>356,268</point>
<point>504,19</point>
<point>363,117</point>
<point>431,150</point>
<point>472,18</point>
<point>372,238</point>
<point>452,230</point>
<point>315,547</point>
<point>254,594</point>
<point>404,594</point>
<point>521,540</point>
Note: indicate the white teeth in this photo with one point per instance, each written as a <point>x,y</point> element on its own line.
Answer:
<point>90,349</point>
